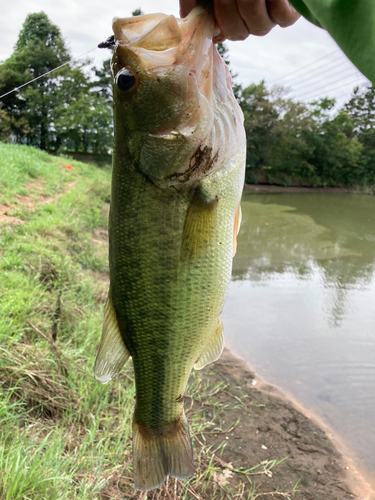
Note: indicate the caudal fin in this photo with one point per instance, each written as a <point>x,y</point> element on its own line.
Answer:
<point>155,456</point>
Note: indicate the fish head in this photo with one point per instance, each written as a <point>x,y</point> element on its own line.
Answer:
<point>164,97</point>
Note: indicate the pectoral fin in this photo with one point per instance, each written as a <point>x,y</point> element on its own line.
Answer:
<point>214,349</point>
<point>236,228</point>
<point>199,228</point>
<point>112,353</point>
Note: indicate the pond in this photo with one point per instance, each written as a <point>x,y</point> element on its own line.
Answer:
<point>301,307</point>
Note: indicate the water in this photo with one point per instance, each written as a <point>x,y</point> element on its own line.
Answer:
<point>301,308</point>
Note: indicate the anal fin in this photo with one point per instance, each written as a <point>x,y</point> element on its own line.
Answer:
<point>214,348</point>
<point>112,353</point>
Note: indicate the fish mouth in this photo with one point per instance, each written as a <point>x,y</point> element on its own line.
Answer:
<point>158,42</point>
<point>158,32</point>
<point>180,54</point>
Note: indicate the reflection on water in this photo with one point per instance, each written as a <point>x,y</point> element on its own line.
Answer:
<point>301,305</point>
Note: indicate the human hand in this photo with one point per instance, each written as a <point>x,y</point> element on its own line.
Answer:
<point>237,19</point>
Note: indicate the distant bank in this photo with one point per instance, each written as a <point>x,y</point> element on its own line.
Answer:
<point>271,188</point>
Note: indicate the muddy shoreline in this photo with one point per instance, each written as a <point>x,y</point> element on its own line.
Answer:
<point>271,188</point>
<point>273,427</point>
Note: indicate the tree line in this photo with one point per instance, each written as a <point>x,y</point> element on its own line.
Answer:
<point>293,143</point>
<point>288,142</point>
<point>68,110</point>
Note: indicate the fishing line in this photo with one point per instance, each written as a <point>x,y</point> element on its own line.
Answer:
<point>48,72</point>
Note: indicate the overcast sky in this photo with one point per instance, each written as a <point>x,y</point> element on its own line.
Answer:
<point>303,57</point>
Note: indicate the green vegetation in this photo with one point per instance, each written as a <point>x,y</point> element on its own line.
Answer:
<point>66,109</point>
<point>289,142</point>
<point>62,434</point>
<point>137,12</point>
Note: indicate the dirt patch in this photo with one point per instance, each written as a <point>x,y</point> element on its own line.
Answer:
<point>271,427</point>
<point>34,186</point>
<point>25,200</point>
<point>29,201</point>
<point>6,216</point>
<point>100,236</point>
<point>102,279</point>
<point>268,188</point>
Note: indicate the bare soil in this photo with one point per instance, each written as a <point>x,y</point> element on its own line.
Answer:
<point>30,201</point>
<point>272,427</point>
<point>260,426</point>
<point>6,216</point>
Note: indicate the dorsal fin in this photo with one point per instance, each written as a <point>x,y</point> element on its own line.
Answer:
<point>112,353</point>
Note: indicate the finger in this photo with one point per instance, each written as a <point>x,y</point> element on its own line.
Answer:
<point>282,12</point>
<point>256,16</point>
<point>186,6</point>
<point>219,38</point>
<point>229,20</point>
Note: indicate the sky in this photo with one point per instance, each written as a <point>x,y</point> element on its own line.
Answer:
<point>302,58</point>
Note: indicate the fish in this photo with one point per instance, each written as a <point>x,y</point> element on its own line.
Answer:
<point>178,175</point>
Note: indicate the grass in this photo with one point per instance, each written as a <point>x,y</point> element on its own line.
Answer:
<point>63,435</point>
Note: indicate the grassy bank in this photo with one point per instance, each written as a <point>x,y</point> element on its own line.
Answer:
<point>63,435</point>
<point>52,292</point>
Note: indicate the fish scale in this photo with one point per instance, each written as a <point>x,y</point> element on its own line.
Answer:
<point>170,302</point>
<point>173,223</point>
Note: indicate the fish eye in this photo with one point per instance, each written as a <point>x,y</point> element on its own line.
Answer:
<point>125,80</point>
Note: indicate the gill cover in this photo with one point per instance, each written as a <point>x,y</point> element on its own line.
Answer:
<point>179,114</point>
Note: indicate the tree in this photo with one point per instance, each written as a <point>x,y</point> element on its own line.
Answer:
<point>39,49</point>
<point>289,151</point>
<point>102,83</point>
<point>83,120</point>
<point>38,30</point>
<point>289,142</point>
<point>63,109</point>
<point>361,110</point>
<point>260,118</point>
<point>5,125</point>
<point>335,155</point>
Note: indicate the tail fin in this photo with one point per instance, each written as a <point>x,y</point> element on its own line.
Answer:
<point>155,456</point>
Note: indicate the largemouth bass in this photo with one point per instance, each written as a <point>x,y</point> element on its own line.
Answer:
<point>178,174</point>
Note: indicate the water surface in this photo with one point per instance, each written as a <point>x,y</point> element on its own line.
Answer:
<point>301,305</point>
